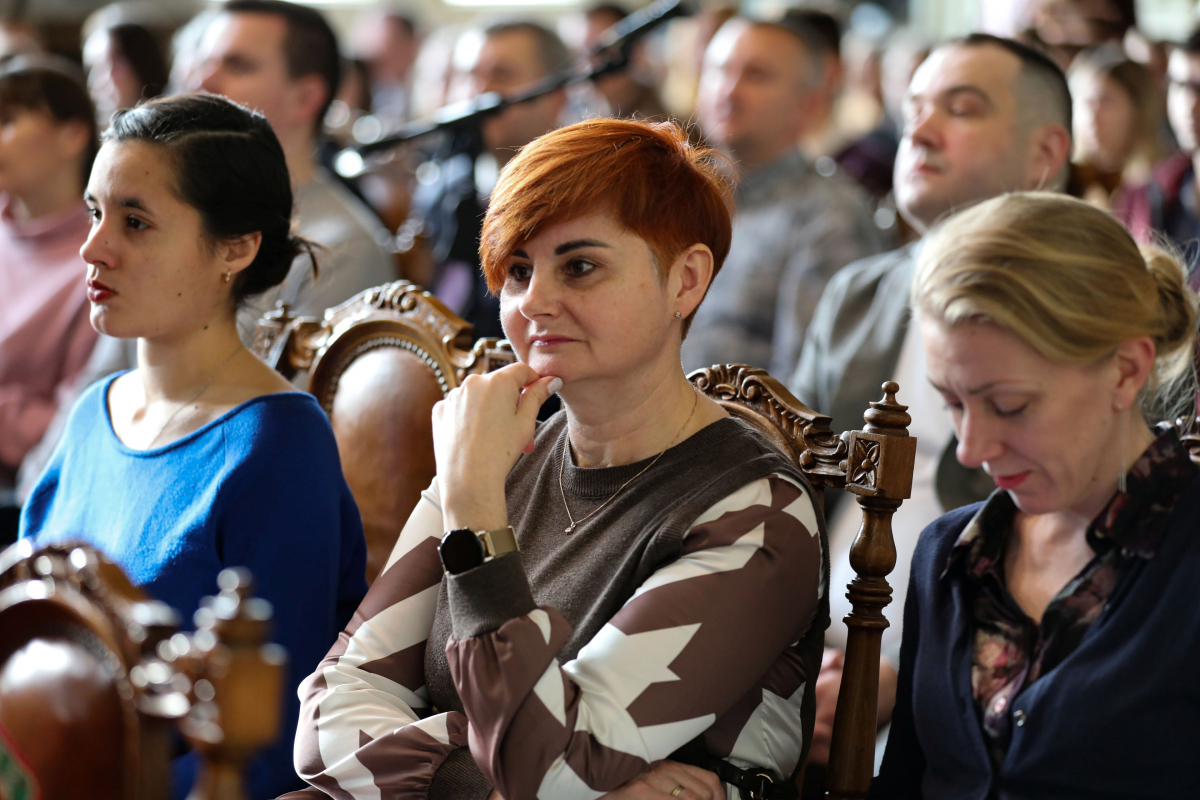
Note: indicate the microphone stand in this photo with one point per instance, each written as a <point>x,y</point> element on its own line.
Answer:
<point>463,122</point>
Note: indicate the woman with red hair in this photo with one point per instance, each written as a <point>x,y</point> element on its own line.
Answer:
<point>603,604</point>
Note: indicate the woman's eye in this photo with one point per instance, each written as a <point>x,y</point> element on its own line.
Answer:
<point>135,223</point>
<point>1001,411</point>
<point>94,213</point>
<point>520,272</point>
<point>579,268</point>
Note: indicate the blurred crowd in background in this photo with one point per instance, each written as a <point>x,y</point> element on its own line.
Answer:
<point>810,111</point>
<point>397,69</point>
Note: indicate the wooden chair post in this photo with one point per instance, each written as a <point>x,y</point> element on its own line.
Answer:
<point>879,471</point>
<point>876,464</point>
<point>95,720</point>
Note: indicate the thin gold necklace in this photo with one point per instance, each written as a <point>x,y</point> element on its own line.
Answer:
<point>194,397</point>
<point>574,523</point>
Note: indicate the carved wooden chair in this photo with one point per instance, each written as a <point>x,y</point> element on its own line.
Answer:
<point>875,464</point>
<point>377,364</point>
<point>94,676</point>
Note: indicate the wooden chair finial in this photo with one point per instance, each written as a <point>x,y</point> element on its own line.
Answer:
<point>237,685</point>
<point>887,416</point>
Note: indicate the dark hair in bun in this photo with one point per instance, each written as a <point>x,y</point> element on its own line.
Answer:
<point>230,167</point>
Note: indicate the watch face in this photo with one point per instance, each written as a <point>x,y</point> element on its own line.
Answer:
<point>460,550</point>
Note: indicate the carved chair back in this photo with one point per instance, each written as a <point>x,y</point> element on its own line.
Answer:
<point>94,676</point>
<point>875,464</point>
<point>377,364</point>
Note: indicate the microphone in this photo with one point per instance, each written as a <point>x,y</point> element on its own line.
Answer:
<point>629,30</point>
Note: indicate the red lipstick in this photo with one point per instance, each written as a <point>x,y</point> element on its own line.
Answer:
<point>1011,481</point>
<point>97,292</point>
<point>549,341</point>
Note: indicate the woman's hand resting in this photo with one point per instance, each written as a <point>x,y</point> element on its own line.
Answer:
<point>479,431</point>
<point>663,779</point>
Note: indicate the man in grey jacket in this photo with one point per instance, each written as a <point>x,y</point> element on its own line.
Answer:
<point>983,116</point>
<point>797,222</point>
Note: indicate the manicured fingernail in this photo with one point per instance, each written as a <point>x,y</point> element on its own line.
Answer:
<point>554,385</point>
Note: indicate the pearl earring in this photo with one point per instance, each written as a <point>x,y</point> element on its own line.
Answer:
<point>228,275</point>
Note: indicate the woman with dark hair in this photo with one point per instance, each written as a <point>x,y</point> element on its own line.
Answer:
<point>665,613</point>
<point>125,66</point>
<point>47,143</point>
<point>202,457</point>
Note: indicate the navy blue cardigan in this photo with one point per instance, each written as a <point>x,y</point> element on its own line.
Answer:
<point>1117,718</point>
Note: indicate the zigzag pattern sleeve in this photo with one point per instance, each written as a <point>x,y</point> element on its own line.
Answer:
<point>705,646</point>
<point>361,734</point>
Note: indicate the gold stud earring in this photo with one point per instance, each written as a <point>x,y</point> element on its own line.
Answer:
<point>228,275</point>
<point>678,315</point>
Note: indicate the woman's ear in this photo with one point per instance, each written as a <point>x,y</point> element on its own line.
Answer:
<point>694,268</point>
<point>238,252</point>
<point>1133,362</point>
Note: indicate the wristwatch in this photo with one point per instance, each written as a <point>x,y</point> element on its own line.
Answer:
<point>463,549</point>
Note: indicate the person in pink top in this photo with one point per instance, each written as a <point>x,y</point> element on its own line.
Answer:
<point>48,140</point>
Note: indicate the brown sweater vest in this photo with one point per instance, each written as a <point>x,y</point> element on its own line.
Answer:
<point>588,575</point>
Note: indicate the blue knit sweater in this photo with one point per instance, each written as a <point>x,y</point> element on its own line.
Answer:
<point>260,487</point>
<point>1117,718</point>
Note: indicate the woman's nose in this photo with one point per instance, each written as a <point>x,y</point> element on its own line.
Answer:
<point>95,250</point>
<point>977,442</point>
<point>541,296</point>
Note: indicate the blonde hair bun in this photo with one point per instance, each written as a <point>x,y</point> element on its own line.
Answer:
<point>1069,280</point>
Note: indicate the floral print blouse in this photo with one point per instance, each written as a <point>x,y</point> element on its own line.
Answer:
<point>1011,650</point>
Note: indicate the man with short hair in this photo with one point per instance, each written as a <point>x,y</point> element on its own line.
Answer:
<point>282,59</point>
<point>983,116</point>
<point>507,58</point>
<point>1168,204</point>
<point>794,227</point>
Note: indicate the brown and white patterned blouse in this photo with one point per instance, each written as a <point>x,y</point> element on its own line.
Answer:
<point>716,639</point>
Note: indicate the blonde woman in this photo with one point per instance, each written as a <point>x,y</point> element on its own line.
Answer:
<point>1051,633</point>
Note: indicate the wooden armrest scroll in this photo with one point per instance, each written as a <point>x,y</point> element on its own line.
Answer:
<point>753,395</point>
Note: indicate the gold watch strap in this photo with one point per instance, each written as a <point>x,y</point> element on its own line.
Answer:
<point>498,542</point>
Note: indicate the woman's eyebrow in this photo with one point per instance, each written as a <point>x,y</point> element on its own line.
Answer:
<point>126,202</point>
<point>575,244</point>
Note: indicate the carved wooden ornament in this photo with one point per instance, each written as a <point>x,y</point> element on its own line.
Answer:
<point>876,464</point>
<point>120,676</point>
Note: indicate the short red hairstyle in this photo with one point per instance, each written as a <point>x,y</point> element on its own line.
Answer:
<point>657,184</point>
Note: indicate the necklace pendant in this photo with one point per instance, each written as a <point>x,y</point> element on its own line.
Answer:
<point>570,528</point>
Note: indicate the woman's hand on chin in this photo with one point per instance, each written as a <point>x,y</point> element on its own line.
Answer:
<point>479,431</point>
